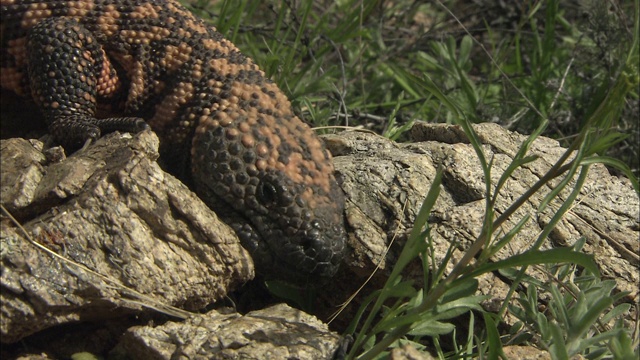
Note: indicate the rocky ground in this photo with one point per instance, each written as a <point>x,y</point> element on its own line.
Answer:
<point>122,258</point>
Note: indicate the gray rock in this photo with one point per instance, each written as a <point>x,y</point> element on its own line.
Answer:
<point>385,184</point>
<point>148,241</point>
<point>277,332</point>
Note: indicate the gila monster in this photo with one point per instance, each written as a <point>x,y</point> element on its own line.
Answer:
<point>93,66</point>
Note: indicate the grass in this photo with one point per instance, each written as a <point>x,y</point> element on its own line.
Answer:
<point>538,67</point>
<point>380,65</point>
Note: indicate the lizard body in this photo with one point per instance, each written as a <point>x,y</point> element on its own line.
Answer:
<point>93,66</point>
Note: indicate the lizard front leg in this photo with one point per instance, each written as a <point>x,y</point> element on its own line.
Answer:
<point>67,71</point>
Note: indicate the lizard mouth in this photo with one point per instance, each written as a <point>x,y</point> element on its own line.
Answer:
<point>303,258</point>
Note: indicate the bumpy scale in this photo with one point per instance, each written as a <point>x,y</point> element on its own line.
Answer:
<point>94,66</point>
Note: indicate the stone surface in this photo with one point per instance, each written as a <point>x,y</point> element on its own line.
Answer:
<point>127,236</point>
<point>277,332</point>
<point>385,184</point>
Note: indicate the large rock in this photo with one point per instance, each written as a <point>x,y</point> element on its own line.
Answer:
<point>277,332</point>
<point>386,182</point>
<point>116,234</point>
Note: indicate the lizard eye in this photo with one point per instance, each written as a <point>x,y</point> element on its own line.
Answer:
<point>267,193</point>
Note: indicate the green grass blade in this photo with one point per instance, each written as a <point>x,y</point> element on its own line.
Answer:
<point>534,257</point>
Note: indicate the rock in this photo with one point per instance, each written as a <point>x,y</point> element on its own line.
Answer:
<point>277,332</point>
<point>127,236</point>
<point>407,352</point>
<point>385,184</point>
<point>526,353</point>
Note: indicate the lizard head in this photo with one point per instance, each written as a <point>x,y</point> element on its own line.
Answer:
<point>274,184</point>
<point>292,233</point>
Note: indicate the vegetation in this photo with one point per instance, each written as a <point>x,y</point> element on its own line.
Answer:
<point>567,70</point>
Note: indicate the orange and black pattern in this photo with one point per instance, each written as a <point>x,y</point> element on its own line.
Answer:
<point>94,66</point>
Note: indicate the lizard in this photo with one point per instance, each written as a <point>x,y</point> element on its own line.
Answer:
<point>96,66</point>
